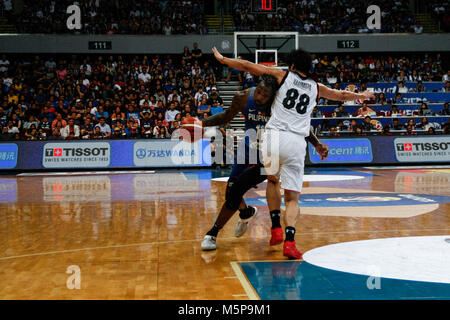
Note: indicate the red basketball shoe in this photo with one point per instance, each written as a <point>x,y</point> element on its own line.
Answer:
<point>277,236</point>
<point>290,250</point>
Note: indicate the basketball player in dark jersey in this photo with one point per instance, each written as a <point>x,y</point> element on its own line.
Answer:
<point>255,105</point>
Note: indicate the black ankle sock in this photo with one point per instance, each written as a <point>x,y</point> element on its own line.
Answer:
<point>214,231</point>
<point>290,233</point>
<point>275,217</point>
<point>246,213</point>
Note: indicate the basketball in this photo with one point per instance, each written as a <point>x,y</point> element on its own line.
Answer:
<point>194,128</point>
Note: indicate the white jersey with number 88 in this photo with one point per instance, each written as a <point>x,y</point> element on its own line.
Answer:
<point>293,104</point>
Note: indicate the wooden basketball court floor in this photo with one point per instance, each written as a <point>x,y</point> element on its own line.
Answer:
<point>137,235</point>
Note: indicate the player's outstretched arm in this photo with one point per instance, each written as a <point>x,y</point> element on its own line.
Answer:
<point>321,148</point>
<point>237,105</point>
<point>244,65</point>
<point>343,95</point>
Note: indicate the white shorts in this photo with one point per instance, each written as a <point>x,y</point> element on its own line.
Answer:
<point>284,157</point>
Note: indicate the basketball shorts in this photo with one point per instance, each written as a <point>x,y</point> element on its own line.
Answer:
<point>284,157</point>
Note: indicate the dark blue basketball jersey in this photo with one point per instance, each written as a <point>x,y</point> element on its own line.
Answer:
<point>255,118</point>
<point>255,121</point>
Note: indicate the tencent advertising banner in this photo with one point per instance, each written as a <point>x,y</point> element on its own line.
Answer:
<point>344,151</point>
<point>8,155</point>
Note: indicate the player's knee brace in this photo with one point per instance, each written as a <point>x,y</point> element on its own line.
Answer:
<point>233,197</point>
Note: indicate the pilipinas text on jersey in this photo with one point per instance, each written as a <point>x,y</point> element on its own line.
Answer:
<point>293,104</point>
<point>255,120</point>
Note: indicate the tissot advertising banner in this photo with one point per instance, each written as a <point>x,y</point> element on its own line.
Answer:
<point>435,149</point>
<point>76,155</point>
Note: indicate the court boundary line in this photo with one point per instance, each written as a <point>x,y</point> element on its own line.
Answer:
<point>81,173</point>
<point>199,240</point>
<point>103,247</point>
<point>407,167</point>
<point>245,283</point>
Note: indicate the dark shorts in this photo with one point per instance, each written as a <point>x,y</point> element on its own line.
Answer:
<point>248,174</point>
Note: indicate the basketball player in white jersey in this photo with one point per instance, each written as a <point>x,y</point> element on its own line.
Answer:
<point>284,146</point>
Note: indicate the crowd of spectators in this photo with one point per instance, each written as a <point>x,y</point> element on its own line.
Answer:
<point>187,17</point>
<point>440,11</point>
<point>419,68</point>
<point>366,121</point>
<point>114,17</point>
<point>326,16</point>
<point>97,97</point>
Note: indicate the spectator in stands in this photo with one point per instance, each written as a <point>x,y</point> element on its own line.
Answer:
<point>171,113</point>
<point>363,111</point>
<point>396,124</point>
<point>197,54</point>
<point>367,124</point>
<point>394,112</point>
<point>105,129</point>
<point>98,134</point>
<point>71,128</point>
<point>31,121</point>
<point>4,134</point>
<point>446,88</point>
<point>401,88</point>
<point>410,131</point>
<point>31,133</point>
<point>132,129</point>
<point>249,80</point>
<point>147,125</point>
<point>159,96</point>
<point>216,109</point>
<point>431,131</point>
<point>340,112</point>
<point>359,131</point>
<point>203,108</point>
<point>144,76</point>
<point>59,120</point>
<point>214,97</point>
<point>424,124</point>
<point>45,126</point>
<point>398,98</point>
<point>411,123</point>
<point>419,87</point>
<point>445,111</point>
<point>424,110</point>
<point>4,64</point>
<point>117,130</point>
<point>333,132</point>
<point>381,99</point>
<point>386,130</point>
<point>446,127</point>
<point>87,128</point>
<point>101,113</point>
